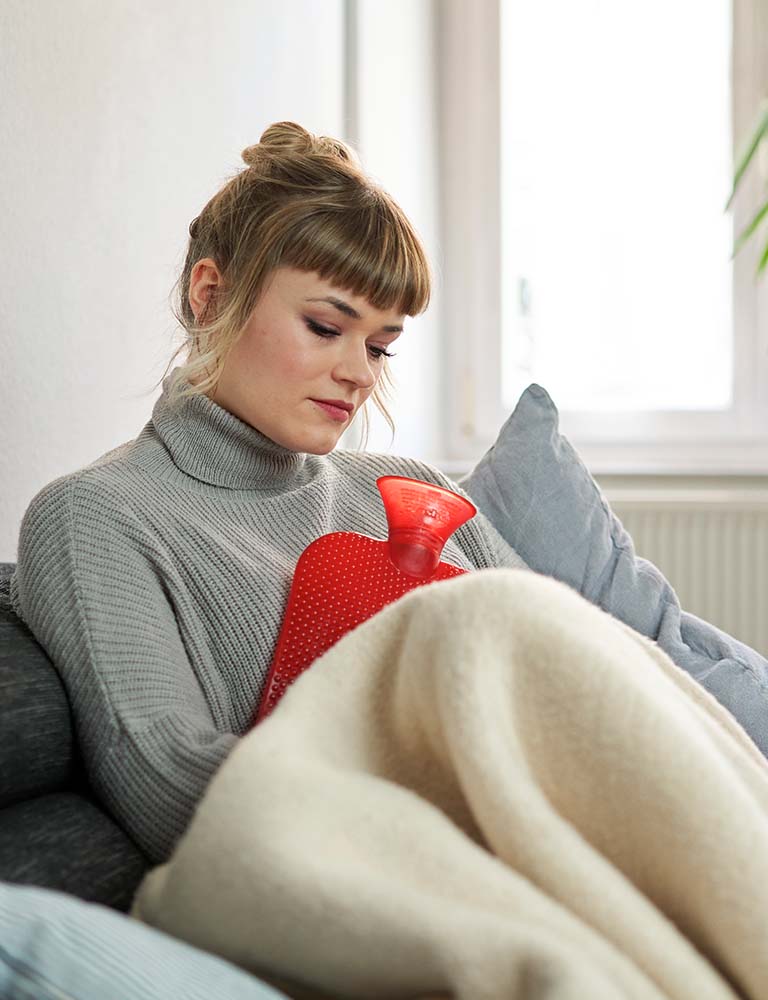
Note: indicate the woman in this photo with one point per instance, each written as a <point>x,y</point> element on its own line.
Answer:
<point>505,801</point>
<point>156,578</point>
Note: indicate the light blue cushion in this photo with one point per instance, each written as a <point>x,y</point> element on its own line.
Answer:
<point>537,492</point>
<point>57,947</point>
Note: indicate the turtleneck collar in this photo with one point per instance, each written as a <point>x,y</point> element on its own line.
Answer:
<point>213,445</point>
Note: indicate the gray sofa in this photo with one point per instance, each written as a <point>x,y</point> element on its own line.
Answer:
<point>53,833</point>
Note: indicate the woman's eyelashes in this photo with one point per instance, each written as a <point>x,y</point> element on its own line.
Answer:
<point>322,331</point>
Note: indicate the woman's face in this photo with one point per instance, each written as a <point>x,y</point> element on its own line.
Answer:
<point>305,343</point>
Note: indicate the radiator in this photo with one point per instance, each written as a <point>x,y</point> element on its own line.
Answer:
<point>712,546</point>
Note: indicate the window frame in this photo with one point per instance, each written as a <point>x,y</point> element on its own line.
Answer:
<point>732,442</point>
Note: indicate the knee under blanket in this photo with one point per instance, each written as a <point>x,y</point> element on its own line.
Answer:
<point>492,789</point>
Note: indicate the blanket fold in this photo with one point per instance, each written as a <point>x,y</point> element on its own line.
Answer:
<point>492,789</point>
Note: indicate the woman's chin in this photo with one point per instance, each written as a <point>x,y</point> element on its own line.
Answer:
<point>312,442</point>
<point>317,448</point>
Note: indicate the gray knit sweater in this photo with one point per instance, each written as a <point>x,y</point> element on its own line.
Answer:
<point>156,580</point>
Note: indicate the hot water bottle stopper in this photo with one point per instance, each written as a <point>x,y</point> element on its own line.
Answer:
<point>343,578</point>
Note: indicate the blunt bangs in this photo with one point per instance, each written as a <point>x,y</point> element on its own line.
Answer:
<point>370,250</point>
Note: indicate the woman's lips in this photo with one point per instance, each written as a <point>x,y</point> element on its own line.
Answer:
<point>334,412</point>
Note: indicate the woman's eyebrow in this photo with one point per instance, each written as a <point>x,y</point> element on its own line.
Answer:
<point>347,309</point>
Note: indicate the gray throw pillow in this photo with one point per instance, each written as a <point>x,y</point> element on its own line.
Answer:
<point>537,492</point>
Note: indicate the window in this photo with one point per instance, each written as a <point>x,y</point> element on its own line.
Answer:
<point>587,155</point>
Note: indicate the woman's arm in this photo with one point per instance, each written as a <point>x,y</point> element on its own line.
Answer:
<point>88,587</point>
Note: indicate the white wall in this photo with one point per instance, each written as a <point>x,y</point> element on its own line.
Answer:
<point>115,130</point>
<point>394,125</point>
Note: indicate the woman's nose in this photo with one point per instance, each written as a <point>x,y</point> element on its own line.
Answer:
<point>355,366</point>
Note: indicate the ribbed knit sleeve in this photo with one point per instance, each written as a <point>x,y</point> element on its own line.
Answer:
<point>502,552</point>
<point>89,583</point>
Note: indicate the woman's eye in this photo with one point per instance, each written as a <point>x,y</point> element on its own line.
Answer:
<point>322,331</point>
<point>379,352</point>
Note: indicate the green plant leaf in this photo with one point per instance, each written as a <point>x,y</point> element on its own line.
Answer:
<point>763,261</point>
<point>746,233</point>
<point>759,134</point>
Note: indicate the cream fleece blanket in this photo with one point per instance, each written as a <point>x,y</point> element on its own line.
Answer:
<point>492,789</point>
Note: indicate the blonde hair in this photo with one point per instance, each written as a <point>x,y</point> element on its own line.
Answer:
<point>303,201</point>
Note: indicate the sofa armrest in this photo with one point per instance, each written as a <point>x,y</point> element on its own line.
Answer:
<point>37,748</point>
<point>52,831</point>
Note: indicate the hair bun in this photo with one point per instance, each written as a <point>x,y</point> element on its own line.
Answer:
<point>290,137</point>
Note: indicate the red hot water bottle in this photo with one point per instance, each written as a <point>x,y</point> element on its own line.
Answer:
<point>344,578</point>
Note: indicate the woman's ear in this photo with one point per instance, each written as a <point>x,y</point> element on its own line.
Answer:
<point>204,280</point>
